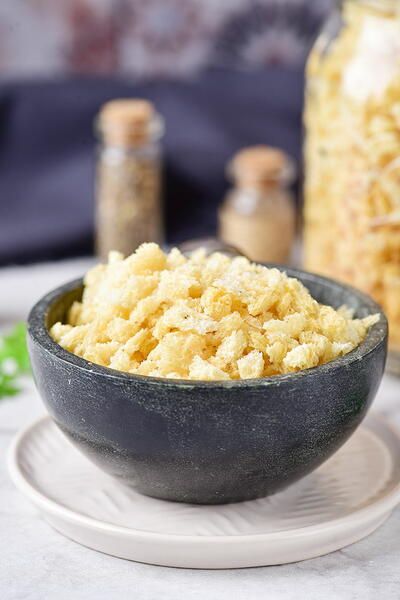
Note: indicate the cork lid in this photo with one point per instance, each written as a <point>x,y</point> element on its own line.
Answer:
<point>261,165</point>
<point>129,121</point>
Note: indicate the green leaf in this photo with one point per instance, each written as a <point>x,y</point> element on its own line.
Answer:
<point>14,360</point>
<point>7,387</point>
<point>13,346</point>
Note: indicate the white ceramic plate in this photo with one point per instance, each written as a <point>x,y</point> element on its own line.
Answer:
<point>343,501</point>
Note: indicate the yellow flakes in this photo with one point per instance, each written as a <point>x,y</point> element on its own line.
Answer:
<point>203,370</point>
<point>232,347</point>
<point>251,366</point>
<point>203,318</point>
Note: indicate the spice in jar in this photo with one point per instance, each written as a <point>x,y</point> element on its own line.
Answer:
<point>258,215</point>
<point>128,191</point>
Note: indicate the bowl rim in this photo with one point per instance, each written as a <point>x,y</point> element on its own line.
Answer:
<point>376,336</point>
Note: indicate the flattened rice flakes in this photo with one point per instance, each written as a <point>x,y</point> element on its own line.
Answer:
<point>203,317</point>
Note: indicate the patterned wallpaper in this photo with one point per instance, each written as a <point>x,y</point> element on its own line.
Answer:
<point>153,38</point>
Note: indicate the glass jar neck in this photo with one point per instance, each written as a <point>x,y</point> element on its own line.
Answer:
<point>130,139</point>
<point>259,188</point>
<point>384,7</point>
<point>263,183</point>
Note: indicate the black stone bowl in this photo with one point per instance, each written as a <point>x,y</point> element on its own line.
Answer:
<point>208,442</point>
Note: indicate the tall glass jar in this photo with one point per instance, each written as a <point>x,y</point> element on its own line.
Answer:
<point>128,186</point>
<point>352,153</point>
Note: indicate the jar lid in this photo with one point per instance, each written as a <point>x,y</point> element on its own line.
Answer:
<point>129,121</point>
<point>261,165</point>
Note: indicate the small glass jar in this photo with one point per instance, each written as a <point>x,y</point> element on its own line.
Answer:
<point>258,214</point>
<point>352,154</point>
<point>128,186</point>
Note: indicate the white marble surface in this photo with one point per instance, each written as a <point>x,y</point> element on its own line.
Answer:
<point>36,562</point>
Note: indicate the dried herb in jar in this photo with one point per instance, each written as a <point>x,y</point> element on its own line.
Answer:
<point>128,190</point>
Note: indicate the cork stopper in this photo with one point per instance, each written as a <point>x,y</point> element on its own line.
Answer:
<point>129,122</point>
<point>261,166</point>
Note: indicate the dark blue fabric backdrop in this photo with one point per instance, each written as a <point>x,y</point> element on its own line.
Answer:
<point>47,151</point>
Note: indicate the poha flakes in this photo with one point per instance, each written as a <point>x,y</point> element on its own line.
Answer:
<point>203,317</point>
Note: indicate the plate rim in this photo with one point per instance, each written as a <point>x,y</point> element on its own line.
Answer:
<point>378,508</point>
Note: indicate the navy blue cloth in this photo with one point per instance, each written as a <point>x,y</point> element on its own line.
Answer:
<point>47,151</point>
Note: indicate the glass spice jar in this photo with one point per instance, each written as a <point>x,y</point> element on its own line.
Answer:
<point>352,154</point>
<point>258,214</point>
<point>128,186</point>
